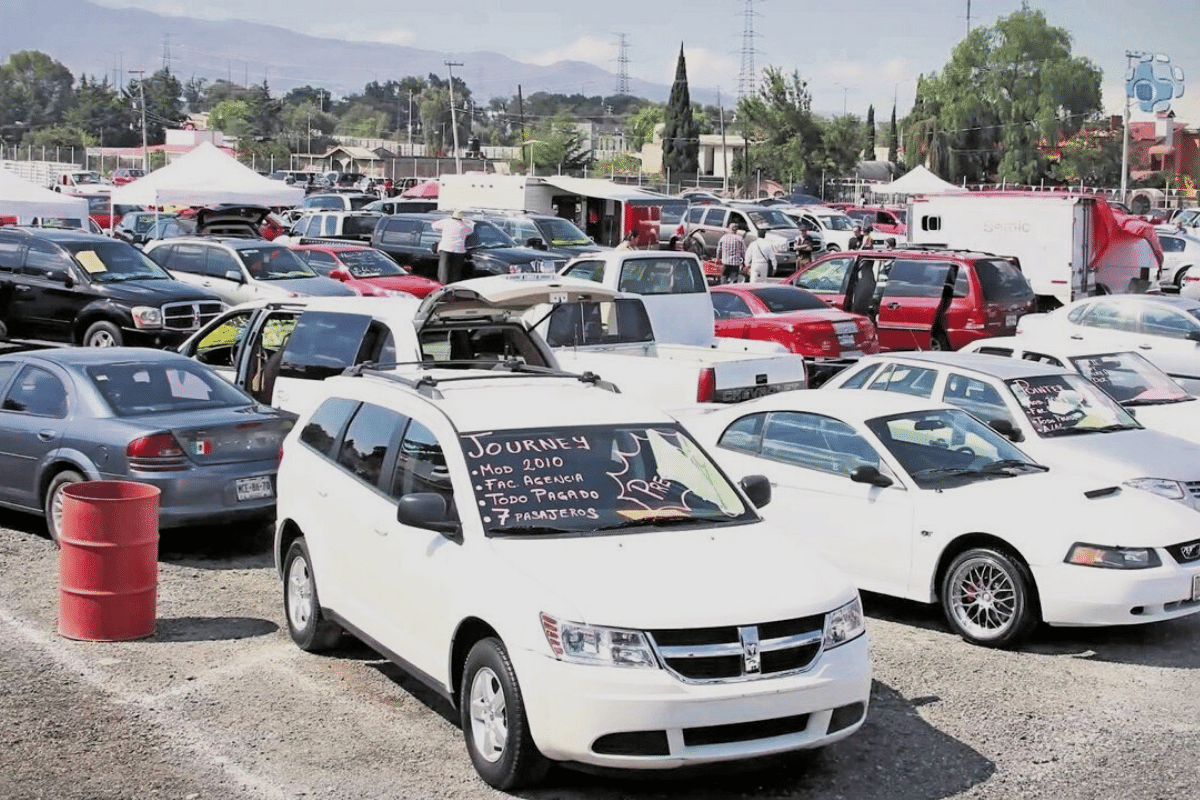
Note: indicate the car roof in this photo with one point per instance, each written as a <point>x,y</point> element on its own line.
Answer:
<point>470,399</point>
<point>333,248</point>
<point>88,356</point>
<point>1051,346</point>
<point>376,307</point>
<point>848,404</point>
<point>1181,303</point>
<point>1002,368</point>
<point>60,235</point>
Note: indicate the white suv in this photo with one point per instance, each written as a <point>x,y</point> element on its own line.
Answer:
<point>566,566</point>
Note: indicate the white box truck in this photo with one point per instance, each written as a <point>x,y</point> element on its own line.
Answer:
<point>1069,246</point>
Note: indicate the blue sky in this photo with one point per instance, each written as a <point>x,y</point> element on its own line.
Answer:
<point>850,57</point>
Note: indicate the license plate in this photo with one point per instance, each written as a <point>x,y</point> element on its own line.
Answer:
<point>254,488</point>
<point>1010,320</point>
<point>1195,588</point>
<point>846,341</point>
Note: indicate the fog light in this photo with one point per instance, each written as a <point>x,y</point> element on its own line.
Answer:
<point>845,716</point>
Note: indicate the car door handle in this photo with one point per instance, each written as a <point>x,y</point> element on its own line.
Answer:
<point>1145,347</point>
<point>1077,336</point>
<point>46,434</point>
<point>893,306</point>
<point>322,493</point>
<point>379,532</point>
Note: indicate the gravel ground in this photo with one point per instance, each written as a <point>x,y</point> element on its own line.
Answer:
<point>219,705</point>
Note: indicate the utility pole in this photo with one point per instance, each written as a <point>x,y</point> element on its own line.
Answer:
<point>968,17</point>
<point>724,149</point>
<point>142,102</point>
<point>410,93</point>
<point>454,116</point>
<point>1129,54</point>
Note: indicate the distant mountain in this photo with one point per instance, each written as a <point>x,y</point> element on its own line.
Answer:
<point>94,40</point>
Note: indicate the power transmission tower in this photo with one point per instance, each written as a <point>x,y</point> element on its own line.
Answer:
<point>167,52</point>
<point>622,66</point>
<point>748,77</point>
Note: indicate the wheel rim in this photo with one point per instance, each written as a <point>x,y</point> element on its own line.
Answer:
<point>489,717</point>
<point>299,594</point>
<point>56,512</point>
<point>102,339</point>
<point>983,598</point>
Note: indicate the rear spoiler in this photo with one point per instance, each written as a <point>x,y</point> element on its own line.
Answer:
<point>349,240</point>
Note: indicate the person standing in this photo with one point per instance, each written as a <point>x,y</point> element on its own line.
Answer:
<point>760,258</point>
<point>868,240</point>
<point>731,252</point>
<point>452,248</point>
<point>856,240</point>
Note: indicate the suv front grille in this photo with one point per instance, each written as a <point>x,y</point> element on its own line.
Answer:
<point>740,653</point>
<point>190,316</point>
<point>1193,488</point>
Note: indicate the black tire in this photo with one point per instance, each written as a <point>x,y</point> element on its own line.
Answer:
<point>308,627</point>
<point>938,342</point>
<point>52,502</point>
<point>1179,278</point>
<point>989,598</point>
<point>103,334</point>
<point>696,245</point>
<point>493,720</point>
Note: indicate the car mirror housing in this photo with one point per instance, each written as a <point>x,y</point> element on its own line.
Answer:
<point>428,510</point>
<point>340,274</point>
<point>1194,336</point>
<point>757,488</point>
<point>235,276</point>
<point>1006,429</point>
<point>870,475</point>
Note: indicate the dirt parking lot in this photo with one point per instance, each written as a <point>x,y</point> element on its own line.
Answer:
<point>220,705</point>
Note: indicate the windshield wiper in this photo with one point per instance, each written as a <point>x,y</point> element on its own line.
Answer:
<point>657,522</point>
<point>1010,463</point>
<point>519,530</point>
<point>1159,402</point>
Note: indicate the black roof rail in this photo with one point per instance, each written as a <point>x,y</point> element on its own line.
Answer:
<point>427,384</point>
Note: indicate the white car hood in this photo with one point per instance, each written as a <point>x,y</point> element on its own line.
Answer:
<point>1176,419</point>
<point>1120,455</point>
<point>734,575</point>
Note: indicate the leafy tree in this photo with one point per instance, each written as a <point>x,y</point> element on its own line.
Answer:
<point>263,112</point>
<point>309,95</point>
<point>362,120</point>
<point>308,127</point>
<point>35,90</point>
<point>843,138</point>
<point>786,138</point>
<point>1007,90</point>
<point>555,145</point>
<point>1092,157</point>
<point>231,117</point>
<point>59,136</point>
<point>639,128</point>
<point>893,138</point>
<point>681,143</point>
<point>164,108</point>
<point>870,154</point>
<point>100,111</point>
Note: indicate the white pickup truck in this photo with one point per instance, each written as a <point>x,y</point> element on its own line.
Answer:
<point>593,328</point>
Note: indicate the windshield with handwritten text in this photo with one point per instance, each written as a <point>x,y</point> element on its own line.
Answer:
<point>1063,405</point>
<point>596,478</point>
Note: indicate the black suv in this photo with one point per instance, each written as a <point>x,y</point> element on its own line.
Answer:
<point>69,286</point>
<point>411,240</point>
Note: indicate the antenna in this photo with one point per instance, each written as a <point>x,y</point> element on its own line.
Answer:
<point>748,77</point>
<point>622,65</point>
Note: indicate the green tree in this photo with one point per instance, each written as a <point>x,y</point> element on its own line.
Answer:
<point>1092,157</point>
<point>870,154</point>
<point>231,117</point>
<point>843,138</point>
<point>35,90</point>
<point>361,119</point>
<point>263,112</point>
<point>681,137</point>
<point>555,146</point>
<point>639,128</point>
<point>99,110</point>
<point>786,137</point>
<point>164,104</point>
<point>893,138</point>
<point>1008,90</point>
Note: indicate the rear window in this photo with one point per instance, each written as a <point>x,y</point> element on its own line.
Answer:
<point>780,299</point>
<point>662,276</point>
<point>132,388</point>
<point>672,213</point>
<point>1001,281</point>
<point>356,203</point>
<point>359,226</point>
<point>406,232</point>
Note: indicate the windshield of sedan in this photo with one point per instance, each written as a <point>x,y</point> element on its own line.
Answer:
<point>784,298</point>
<point>369,264</point>
<point>836,222</point>
<point>112,261</point>
<point>949,447</point>
<point>771,219</point>
<point>597,478</point>
<point>132,388</point>
<point>274,264</point>
<point>1064,405</point>
<point>487,236</point>
<point>1131,379</point>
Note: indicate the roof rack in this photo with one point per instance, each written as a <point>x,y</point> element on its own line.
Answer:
<point>427,385</point>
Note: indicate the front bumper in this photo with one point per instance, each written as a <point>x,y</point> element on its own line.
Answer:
<point>1073,595</point>
<point>571,707</point>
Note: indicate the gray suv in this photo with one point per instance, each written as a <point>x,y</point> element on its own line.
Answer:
<point>704,225</point>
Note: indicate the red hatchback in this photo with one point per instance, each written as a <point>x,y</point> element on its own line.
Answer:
<point>923,299</point>
<point>365,269</point>
<point>828,339</point>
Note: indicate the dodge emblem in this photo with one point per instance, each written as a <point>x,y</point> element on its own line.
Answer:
<point>751,659</point>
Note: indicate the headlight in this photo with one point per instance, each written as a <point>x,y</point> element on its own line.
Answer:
<point>394,293</point>
<point>590,644</point>
<point>1171,490</point>
<point>844,624</point>
<point>147,317</point>
<point>1094,555</point>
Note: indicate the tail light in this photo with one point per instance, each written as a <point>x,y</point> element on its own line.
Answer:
<point>868,336</point>
<point>706,388</point>
<point>977,317</point>
<point>680,231</point>
<point>159,452</point>
<point>816,339</point>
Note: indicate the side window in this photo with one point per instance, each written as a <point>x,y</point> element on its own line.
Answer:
<point>1042,358</point>
<point>1171,244</point>
<point>10,255</point>
<point>322,263</point>
<point>729,306</point>
<point>45,260</point>
<point>217,347</point>
<point>220,262</point>
<point>421,465</point>
<point>402,232</point>
<point>587,271</point>
<point>695,214</point>
<point>1165,322</point>
<point>7,368</point>
<point>329,228</point>
<point>187,258</point>
<point>859,379</point>
<point>1109,316</point>
<point>37,392</point>
<point>745,434</point>
<point>364,447</point>
<point>828,276</point>
<point>816,442</point>
<point>923,279</point>
<point>326,424</point>
<point>979,398</point>
<point>322,344</point>
<point>662,276</point>
<point>715,218</point>
<point>904,379</point>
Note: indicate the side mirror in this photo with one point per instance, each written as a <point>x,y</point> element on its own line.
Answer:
<point>1006,429</point>
<point>757,488</point>
<point>1194,336</point>
<point>340,274</point>
<point>235,275</point>
<point>870,475</point>
<point>536,243</point>
<point>428,510</point>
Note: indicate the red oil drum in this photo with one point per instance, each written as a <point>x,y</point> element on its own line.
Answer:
<point>108,565</point>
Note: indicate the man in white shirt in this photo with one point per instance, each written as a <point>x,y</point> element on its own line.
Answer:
<point>760,258</point>
<point>452,249</point>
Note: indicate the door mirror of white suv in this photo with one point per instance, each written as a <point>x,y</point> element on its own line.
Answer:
<point>428,510</point>
<point>757,489</point>
<point>235,276</point>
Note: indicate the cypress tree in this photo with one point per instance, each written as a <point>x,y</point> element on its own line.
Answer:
<point>893,138</point>
<point>871,132</point>
<point>681,142</point>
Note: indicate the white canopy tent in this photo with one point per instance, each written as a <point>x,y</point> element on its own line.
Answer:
<point>206,176</point>
<point>918,180</point>
<point>24,200</point>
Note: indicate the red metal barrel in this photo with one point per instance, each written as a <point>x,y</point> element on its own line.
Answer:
<point>108,566</point>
